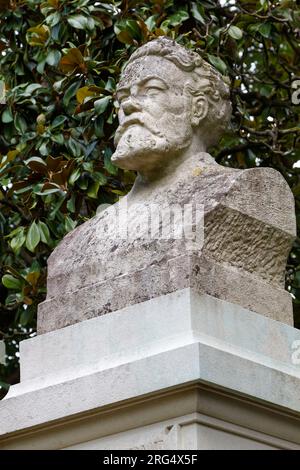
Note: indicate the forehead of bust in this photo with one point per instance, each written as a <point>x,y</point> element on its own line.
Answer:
<point>148,66</point>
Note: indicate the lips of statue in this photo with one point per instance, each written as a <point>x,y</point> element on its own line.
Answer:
<point>153,116</point>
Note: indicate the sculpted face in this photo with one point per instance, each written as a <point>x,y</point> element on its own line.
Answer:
<point>154,114</point>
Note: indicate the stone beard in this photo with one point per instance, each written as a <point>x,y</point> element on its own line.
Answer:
<point>154,114</point>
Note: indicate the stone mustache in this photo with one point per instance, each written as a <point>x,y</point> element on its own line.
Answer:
<point>172,106</point>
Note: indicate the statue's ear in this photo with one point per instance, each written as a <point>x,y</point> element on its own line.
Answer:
<point>199,109</point>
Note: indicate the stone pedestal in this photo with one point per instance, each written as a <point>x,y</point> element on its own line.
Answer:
<point>180,371</point>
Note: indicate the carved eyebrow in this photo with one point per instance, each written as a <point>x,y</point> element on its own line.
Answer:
<point>155,82</point>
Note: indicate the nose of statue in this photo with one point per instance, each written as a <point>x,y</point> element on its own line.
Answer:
<point>130,106</point>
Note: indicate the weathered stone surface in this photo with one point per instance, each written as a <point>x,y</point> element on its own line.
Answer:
<point>172,105</point>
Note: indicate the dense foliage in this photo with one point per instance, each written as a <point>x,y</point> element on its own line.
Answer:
<point>59,64</point>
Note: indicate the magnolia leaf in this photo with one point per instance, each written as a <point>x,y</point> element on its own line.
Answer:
<point>81,22</point>
<point>74,176</point>
<point>70,92</point>
<point>198,12</point>
<point>84,93</point>
<point>58,121</point>
<point>108,165</point>
<point>53,57</point>
<point>37,35</point>
<point>218,63</point>
<point>37,164</point>
<point>265,29</point>
<point>99,177</point>
<point>27,315</point>
<point>11,155</point>
<point>72,61</point>
<point>17,242</point>
<point>33,237</point>
<point>235,32</point>
<point>20,124</point>
<point>44,233</point>
<point>101,104</point>
<point>69,224</point>
<point>31,88</point>
<point>10,282</point>
<point>33,277</point>
<point>7,116</point>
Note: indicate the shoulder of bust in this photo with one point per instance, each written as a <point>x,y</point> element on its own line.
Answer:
<point>264,194</point>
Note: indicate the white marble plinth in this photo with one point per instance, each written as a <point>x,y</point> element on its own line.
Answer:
<point>181,371</point>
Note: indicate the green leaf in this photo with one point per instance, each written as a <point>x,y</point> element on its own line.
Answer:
<point>71,92</point>
<point>58,121</point>
<point>58,139</point>
<point>69,224</point>
<point>37,35</point>
<point>71,204</point>
<point>10,282</point>
<point>74,147</point>
<point>53,19</point>
<point>20,124</point>
<point>266,90</point>
<point>235,32</point>
<point>93,189</point>
<point>198,12</point>
<point>7,116</point>
<point>108,165</point>
<point>99,177</point>
<point>265,29</point>
<point>151,22</point>
<point>27,316</point>
<point>53,58</point>
<point>81,22</point>
<point>31,88</point>
<point>17,242</point>
<point>99,122</point>
<point>101,105</point>
<point>44,233</point>
<point>178,18</point>
<point>74,176</point>
<point>218,63</point>
<point>33,237</point>
<point>44,149</point>
<point>46,192</point>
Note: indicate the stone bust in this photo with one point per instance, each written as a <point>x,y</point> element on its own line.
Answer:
<point>172,106</point>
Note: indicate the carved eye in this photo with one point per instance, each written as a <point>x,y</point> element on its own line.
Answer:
<point>153,90</point>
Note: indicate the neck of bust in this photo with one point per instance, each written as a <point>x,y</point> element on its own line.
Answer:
<point>179,168</point>
<point>150,179</point>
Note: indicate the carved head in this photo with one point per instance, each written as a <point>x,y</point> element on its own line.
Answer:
<point>171,101</point>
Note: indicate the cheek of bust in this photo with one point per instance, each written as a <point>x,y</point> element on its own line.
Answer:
<point>156,105</point>
<point>176,124</point>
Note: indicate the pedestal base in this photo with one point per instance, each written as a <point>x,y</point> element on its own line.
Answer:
<point>181,371</point>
